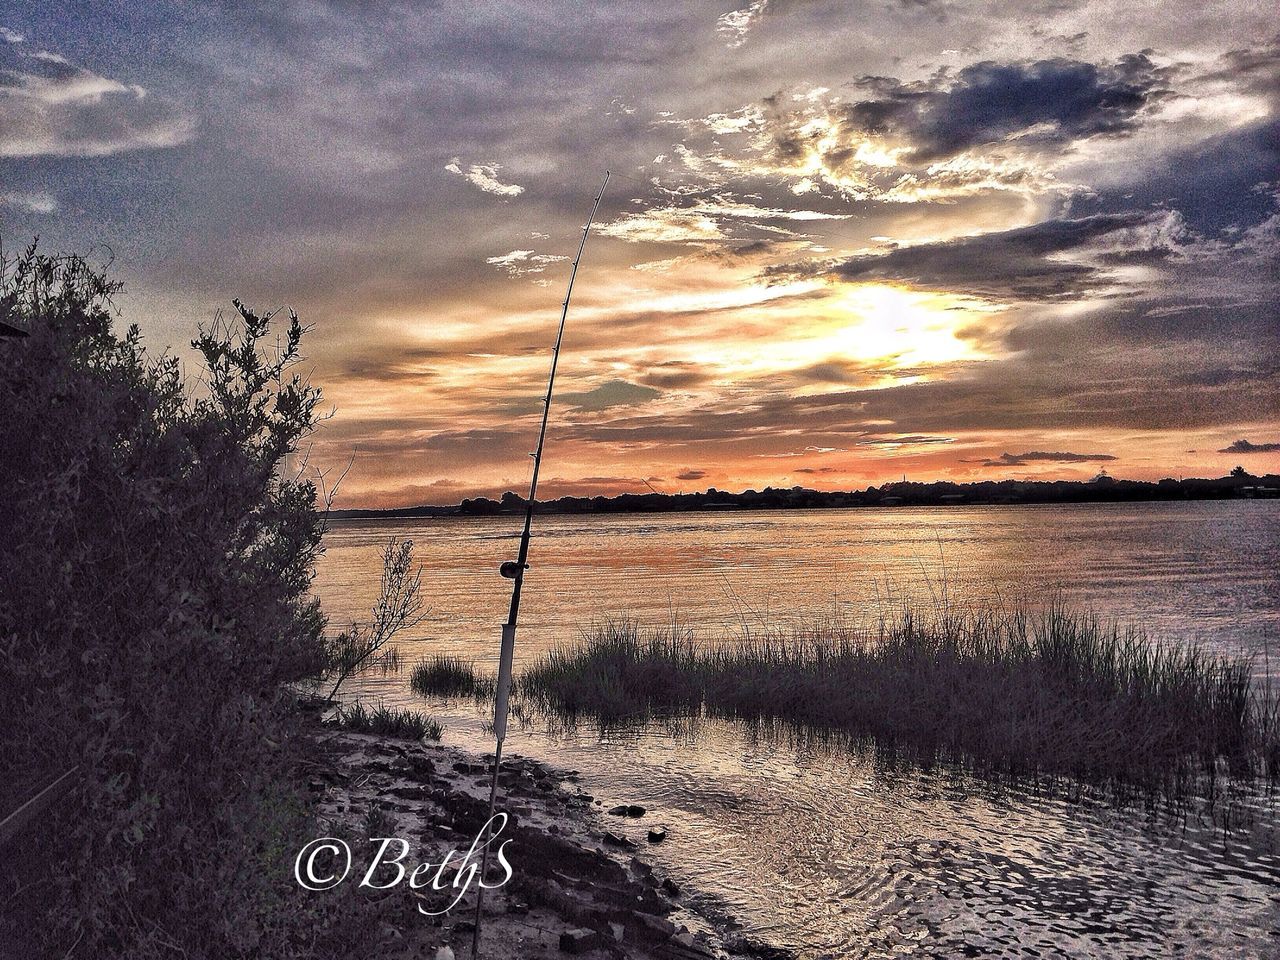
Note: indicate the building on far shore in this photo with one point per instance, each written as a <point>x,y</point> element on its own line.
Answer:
<point>1259,492</point>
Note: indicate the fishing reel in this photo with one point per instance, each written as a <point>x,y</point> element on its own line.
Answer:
<point>511,569</point>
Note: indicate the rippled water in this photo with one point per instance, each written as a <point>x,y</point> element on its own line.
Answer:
<point>828,848</point>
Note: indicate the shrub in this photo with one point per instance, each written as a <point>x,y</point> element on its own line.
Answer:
<point>399,606</point>
<point>155,573</point>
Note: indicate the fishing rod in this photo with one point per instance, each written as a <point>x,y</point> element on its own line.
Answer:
<point>514,570</point>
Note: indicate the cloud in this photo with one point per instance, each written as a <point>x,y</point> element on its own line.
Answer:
<point>1022,264</point>
<point>506,259</point>
<point>1214,183</point>
<point>691,474</point>
<point>994,126</point>
<point>615,393</point>
<point>39,202</point>
<point>719,217</point>
<point>519,263</point>
<point>723,205</point>
<point>676,375</point>
<point>1039,456</point>
<point>1045,103</point>
<point>908,440</point>
<point>1244,446</point>
<point>1256,69</point>
<point>321,182</point>
<point>484,176</point>
<point>664,225</point>
<point>736,24</point>
<point>51,107</point>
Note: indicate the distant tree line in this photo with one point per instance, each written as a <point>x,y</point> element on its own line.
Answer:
<point>900,493</point>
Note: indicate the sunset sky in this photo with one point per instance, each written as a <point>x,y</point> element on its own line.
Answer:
<point>843,242</point>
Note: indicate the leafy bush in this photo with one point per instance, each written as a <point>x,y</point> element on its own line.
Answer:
<point>154,571</point>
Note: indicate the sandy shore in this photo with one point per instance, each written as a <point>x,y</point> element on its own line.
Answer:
<point>581,882</point>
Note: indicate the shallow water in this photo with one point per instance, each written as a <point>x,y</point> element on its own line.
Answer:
<point>827,848</point>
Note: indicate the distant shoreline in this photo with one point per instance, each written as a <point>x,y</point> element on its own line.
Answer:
<point>1102,489</point>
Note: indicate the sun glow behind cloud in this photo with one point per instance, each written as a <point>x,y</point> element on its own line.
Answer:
<point>903,328</point>
<point>838,247</point>
<point>871,331</point>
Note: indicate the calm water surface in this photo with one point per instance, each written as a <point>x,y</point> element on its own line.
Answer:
<point>827,848</point>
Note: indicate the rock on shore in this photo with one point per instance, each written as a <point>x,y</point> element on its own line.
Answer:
<point>569,894</point>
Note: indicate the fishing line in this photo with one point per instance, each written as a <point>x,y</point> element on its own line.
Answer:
<point>514,571</point>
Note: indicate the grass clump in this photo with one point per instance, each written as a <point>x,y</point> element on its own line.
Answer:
<point>446,676</point>
<point>401,724</point>
<point>1054,693</point>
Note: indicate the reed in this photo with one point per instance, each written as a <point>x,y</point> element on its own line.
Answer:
<point>1053,692</point>
<point>446,676</point>
<point>401,724</point>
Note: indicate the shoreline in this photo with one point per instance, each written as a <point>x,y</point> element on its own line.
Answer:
<point>580,884</point>
<point>941,493</point>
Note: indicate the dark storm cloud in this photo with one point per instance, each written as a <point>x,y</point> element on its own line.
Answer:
<point>1010,264</point>
<point>1045,103</point>
<point>839,371</point>
<point>1216,376</point>
<point>1244,446</point>
<point>1189,346</point>
<point>386,369</point>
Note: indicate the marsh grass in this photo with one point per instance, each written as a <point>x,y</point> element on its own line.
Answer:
<point>401,724</point>
<point>446,676</point>
<point>1012,692</point>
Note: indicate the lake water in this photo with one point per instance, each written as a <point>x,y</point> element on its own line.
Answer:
<point>825,848</point>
